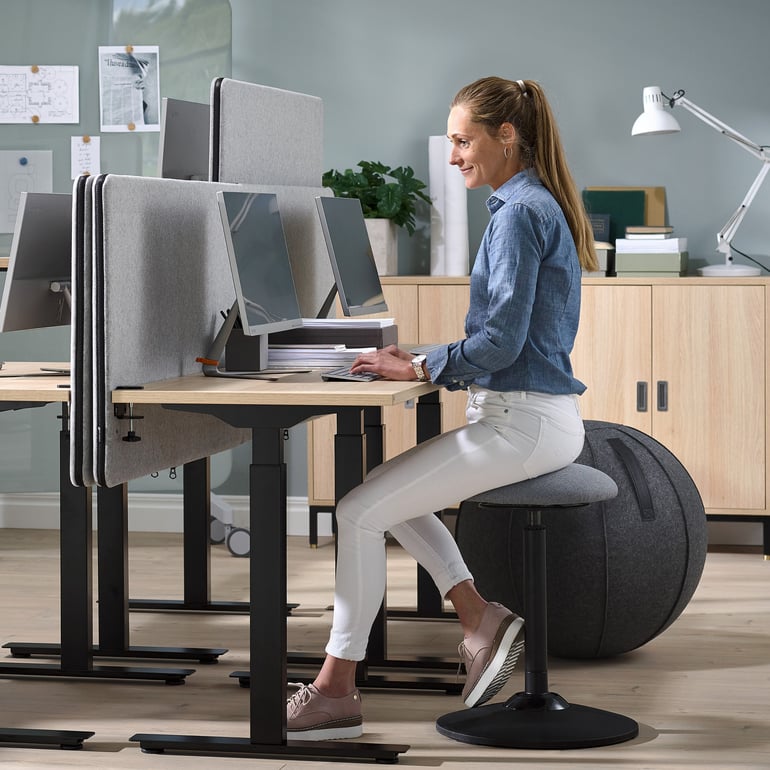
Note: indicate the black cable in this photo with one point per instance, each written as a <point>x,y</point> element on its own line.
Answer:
<point>746,256</point>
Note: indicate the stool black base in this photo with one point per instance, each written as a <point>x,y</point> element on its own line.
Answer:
<point>537,722</point>
<point>538,718</point>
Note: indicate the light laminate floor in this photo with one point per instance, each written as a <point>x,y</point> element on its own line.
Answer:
<point>700,691</point>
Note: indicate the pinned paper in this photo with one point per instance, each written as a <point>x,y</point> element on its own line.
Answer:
<point>39,94</point>
<point>22,171</point>
<point>85,156</point>
<point>129,90</point>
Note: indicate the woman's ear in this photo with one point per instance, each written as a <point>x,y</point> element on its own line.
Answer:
<point>507,133</point>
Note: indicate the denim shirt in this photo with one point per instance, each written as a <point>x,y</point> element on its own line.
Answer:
<point>524,299</point>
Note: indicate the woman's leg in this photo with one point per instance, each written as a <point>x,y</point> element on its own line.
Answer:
<point>515,436</point>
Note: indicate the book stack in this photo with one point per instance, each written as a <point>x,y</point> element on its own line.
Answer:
<point>650,250</point>
<point>605,254</point>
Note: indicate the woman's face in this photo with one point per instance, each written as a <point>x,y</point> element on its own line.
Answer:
<point>478,155</point>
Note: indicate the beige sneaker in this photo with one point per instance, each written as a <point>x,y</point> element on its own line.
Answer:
<point>311,716</point>
<point>490,653</point>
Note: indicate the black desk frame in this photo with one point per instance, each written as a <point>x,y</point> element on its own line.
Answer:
<point>267,581</point>
<point>76,650</point>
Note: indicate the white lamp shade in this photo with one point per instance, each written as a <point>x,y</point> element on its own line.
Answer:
<point>655,119</point>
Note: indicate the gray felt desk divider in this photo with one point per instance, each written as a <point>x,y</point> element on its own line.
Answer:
<point>264,135</point>
<point>81,407</point>
<point>161,278</point>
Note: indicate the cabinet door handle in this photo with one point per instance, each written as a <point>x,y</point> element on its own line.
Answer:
<point>662,396</point>
<point>641,396</point>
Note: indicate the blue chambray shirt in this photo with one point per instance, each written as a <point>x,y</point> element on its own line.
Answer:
<point>524,299</point>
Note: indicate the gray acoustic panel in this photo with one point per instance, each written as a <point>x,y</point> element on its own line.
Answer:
<point>81,384</point>
<point>264,135</point>
<point>161,278</point>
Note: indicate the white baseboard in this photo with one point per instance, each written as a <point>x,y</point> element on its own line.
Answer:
<point>147,512</point>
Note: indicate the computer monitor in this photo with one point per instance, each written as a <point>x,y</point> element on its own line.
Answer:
<point>265,295</point>
<point>36,293</point>
<point>347,242</point>
<point>183,152</point>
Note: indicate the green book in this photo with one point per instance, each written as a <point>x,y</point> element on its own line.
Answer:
<point>625,208</point>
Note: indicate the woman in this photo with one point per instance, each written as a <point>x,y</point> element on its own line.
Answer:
<point>523,416</point>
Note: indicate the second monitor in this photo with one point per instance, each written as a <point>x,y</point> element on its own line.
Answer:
<point>352,261</point>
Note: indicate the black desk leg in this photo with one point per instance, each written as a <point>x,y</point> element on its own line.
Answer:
<point>76,553</point>
<point>267,647</point>
<point>197,551</point>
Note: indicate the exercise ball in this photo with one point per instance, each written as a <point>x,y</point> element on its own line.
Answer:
<point>619,572</point>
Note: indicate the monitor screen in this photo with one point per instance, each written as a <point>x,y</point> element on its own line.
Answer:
<point>355,273</point>
<point>259,261</point>
<point>36,293</point>
<point>184,140</point>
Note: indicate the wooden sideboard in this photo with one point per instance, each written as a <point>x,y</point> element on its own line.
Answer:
<point>684,360</point>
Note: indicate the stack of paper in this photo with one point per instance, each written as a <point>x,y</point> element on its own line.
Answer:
<point>312,356</point>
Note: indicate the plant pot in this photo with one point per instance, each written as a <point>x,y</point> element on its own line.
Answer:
<point>383,237</point>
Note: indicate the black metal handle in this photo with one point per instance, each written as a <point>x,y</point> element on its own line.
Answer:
<point>662,396</point>
<point>641,396</point>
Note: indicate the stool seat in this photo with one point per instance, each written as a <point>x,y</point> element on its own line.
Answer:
<point>574,485</point>
<point>538,718</point>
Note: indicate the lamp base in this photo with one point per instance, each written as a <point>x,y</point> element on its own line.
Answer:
<point>730,270</point>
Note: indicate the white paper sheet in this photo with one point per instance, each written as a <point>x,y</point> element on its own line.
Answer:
<point>22,171</point>
<point>449,213</point>
<point>44,94</point>
<point>85,156</point>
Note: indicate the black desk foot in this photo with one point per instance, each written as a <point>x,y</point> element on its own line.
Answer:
<point>321,750</point>
<point>64,739</point>
<point>201,654</point>
<point>537,722</point>
<point>167,675</point>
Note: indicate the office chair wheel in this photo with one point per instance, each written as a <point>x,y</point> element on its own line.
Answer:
<point>217,531</point>
<point>239,541</point>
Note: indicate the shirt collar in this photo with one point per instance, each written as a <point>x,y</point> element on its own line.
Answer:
<point>509,189</point>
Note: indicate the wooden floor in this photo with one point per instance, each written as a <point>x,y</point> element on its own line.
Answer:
<point>700,691</point>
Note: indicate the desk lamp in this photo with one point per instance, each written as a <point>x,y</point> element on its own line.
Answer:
<point>655,120</point>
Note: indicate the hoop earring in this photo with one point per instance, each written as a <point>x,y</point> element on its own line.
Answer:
<point>507,152</point>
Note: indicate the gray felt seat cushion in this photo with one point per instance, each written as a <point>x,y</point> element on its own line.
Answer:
<point>571,486</point>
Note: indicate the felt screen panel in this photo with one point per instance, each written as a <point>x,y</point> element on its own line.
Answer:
<point>161,278</point>
<point>265,135</point>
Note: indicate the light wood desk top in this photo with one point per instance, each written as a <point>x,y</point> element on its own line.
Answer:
<point>36,386</point>
<point>291,390</point>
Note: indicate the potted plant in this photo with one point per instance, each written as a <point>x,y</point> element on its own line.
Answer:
<point>388,198</point>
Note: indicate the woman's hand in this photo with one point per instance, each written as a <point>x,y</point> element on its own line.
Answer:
<point>391,362</point>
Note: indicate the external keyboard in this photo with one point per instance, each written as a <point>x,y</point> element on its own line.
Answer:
<point>344,373</point>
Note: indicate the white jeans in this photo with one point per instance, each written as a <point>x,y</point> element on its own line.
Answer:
<point>509,437</point>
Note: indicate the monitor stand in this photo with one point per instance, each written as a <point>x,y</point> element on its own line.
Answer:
<point>327,304</point>
<point>240,348</point>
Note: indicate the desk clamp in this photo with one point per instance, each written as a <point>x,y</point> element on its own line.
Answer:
<point>126,412</point>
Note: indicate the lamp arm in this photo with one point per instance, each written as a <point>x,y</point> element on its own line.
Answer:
<point>727,233</point>
<point>717,124</point>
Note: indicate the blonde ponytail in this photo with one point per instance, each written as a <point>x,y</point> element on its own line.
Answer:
<point>493,101</point>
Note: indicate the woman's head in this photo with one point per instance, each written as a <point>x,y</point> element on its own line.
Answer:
<point>514,129</point>
<point>503,110</point>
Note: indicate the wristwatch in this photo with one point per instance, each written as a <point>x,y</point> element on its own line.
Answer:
<point>417,362</point>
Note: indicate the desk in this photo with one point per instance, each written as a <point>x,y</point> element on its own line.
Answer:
<point>76,649</point>
<point>268,408</point>
<point>17,392</point>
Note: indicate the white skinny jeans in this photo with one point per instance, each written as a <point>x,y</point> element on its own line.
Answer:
<point>509,437</point>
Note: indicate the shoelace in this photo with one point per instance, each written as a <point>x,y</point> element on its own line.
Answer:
<point>462,651</point>
<point>300,698</point>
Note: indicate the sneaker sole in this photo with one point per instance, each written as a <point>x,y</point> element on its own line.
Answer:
<point>325,734</point>
<point>501,666</point>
